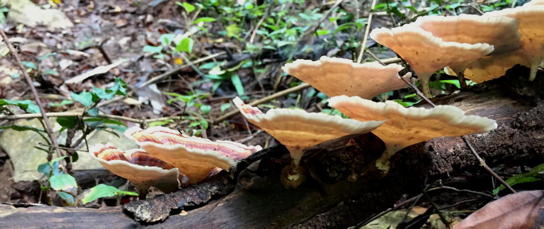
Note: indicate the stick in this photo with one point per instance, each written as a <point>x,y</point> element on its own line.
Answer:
<point>47,125</point>
<point>367,31</point>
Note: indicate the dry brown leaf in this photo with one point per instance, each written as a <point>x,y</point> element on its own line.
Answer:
<point>519,210</point>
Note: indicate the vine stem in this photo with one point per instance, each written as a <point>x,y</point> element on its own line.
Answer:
<point>367,32</point>
<point>46,122</point>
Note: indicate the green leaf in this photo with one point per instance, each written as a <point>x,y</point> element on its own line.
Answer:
<point>62,181</point>
<point>185,45</point>
<point>85,98</point>
<point>68,122</point>
<point>187,6</point>
<point>205,109</point>
<point>452,82</point>
<point>27,105</point>
<point>531,176</point>
<point>62,103</point>
<point>29,64</point>
<point>102,190</point>
<point>69,198</point>
<point>321,32</point>
<point>204,20</point>
<point>225,106</point>
<point>235,79</point>
<point>160,123</point>
<point>93,112</point>
<point>233,30</point>
<point>152,49</point>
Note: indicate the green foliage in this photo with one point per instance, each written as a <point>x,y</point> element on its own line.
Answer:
<point>62,182</point>
<point>533,175</point>
<point>26,105</point>
<point>102,191</point>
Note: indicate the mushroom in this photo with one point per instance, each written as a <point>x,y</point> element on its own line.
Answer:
<point>138,167</point>
<point>494,66</point>
<point>501,32</point>
<point>407,126</point>
<point>366,80</point>
<point>195,157</point>
<point>427,53</point>
<point>297,130</point>
<point>535,3</point>
<point>531,32</point>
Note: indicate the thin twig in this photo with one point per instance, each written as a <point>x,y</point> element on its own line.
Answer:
<point>486,167</point>
<point>48,128</point>
<point>263,100</point>
<point>367,31</point>
<point>176,70</point>
<point>80,114</point>
<point>254,32</point>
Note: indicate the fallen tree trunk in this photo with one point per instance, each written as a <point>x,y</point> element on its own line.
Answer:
<point>255,199</point>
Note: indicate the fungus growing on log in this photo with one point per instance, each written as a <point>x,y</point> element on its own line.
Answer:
<point>298,130</point>
<point>531,32</point>
<point>195,157</point>
<point>365,80</point>
<point>403,127</point>
<point>138,167</point>
<point>501,32</point>
<point>427,53</point>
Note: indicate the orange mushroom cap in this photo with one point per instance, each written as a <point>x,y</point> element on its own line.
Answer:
<point>427,53</point>
<point>531,29</point>
<point>137,166</point>
<point>195,157</point>
<point>366,80</point>
<point>298,129</point>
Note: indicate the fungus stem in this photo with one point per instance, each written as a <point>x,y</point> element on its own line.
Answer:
<point>534,68</point>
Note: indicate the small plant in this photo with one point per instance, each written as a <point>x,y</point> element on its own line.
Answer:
<point>57,177</point>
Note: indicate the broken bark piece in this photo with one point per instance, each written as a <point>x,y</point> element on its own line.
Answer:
<point>138,167</point>
<point>407,126</point>
<point>337,76</point>
<point>195,157</point>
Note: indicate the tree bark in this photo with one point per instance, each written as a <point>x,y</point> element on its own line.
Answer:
<point>342,189</point>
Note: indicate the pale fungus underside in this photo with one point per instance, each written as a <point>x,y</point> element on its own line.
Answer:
<point>403,127</point>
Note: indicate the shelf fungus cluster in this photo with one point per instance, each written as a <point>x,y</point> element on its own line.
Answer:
<point>503,39</point>
<point>168,159</point>
<point>299,130</point>
<point>396,126</point>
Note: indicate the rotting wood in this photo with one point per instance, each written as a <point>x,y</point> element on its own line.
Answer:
<point>259,201</point>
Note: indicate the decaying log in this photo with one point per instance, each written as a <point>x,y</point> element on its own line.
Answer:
<point>341,189</point>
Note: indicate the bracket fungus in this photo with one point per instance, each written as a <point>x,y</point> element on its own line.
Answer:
<point>365,80</point>
<point>298,130</point>
<point>138,167</point>
<point>531,32</point>
<point>407,126</point>
<point>427,53</point>
<point>195,157</point>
